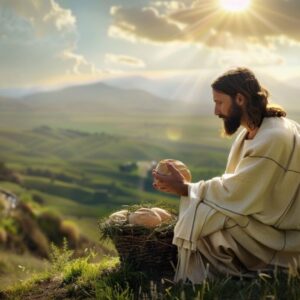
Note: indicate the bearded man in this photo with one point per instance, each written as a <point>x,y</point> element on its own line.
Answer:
<point>246,220</point>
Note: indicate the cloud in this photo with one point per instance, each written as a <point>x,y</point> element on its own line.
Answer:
<point>169,6</point>
<point>144,24</point>
<point>38,41</point>
<point>124,60</point>
<point>81,66</point>
<point>45,17</point>
<point>205,22</point>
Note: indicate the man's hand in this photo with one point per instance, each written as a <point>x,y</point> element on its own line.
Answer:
<point>173,183</point>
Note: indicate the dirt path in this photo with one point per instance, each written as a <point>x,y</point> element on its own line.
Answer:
<point>46,290</point>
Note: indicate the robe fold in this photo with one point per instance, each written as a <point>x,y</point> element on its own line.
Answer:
<point>248,219</point>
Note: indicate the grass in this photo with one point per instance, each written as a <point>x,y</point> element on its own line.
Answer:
<point>81,279</point>
<point>17,268</point>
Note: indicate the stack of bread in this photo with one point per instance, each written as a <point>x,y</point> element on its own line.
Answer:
<point>147,217</point>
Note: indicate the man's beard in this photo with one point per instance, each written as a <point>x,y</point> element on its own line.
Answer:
<point>233,121</point>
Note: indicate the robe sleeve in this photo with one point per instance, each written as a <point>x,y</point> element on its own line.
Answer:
<point>245,192</point>
<point>258,175</point>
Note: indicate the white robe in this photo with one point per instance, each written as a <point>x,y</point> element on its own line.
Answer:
<point>249,218</point>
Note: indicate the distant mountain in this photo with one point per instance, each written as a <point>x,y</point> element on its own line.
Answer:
<point>98,98</point>
<point>190,87</point>
<point>18,92</point>
<point>293,82</point>
<point>10,104</point>
<point>177,94</point>
<point>195,88</point>
<point>281,92</point>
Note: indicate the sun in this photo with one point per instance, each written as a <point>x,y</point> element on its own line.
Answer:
<point>234,5</point>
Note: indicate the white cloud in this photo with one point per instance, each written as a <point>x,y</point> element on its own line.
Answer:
<point>62,18</point>
<point>45,16</point>
<point>144,24</point>
<point>169,6</point>
<point>81,66</point>
<point>124,60</point>
<point>38,41</point>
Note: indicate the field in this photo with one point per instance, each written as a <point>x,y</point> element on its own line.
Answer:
<point>77,165</point>
<point>87,166</point>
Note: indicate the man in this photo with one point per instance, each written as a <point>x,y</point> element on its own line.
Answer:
<point>246,220</point>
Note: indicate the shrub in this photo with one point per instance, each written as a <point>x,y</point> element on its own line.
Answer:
<point>33,237</point>
<point>50,223</point>
<point>38,199</point>
<point>69,230</point>
<point>3,204</point>
<point>26,208</point>
<point>3,236</point>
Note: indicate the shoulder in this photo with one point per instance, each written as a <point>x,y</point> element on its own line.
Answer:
<point>275,136</point>
<point>274,128</point>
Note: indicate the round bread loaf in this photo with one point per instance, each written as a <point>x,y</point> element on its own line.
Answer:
<point>164,215</point>
<point>145,217</point>
<point>162,168</point>
<point>119,216</point>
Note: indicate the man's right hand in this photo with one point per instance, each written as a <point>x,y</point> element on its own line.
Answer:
<point>174,183</point>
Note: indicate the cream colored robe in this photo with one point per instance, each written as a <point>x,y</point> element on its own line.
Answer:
<point>248,219</point>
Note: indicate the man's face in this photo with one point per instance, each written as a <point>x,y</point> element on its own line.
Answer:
<point>229,111</point>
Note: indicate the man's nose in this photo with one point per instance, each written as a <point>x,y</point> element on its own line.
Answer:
<point>216,111</point>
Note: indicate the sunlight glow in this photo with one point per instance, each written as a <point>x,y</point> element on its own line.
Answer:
<point>173,134</point>
<point>234,5</point>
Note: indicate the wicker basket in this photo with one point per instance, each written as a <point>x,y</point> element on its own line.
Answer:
<point>144,249</point>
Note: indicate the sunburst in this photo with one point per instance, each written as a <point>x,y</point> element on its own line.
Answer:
<point>235,5</point>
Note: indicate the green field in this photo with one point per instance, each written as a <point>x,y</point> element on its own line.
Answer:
<point>74,163</point>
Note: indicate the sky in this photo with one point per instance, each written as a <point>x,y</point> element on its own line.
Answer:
<point>58,42</point>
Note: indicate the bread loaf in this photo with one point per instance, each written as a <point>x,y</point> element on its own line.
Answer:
<point>119,217</point>
<point>163,169</point>
<point>145,217</point>
<point>164,215</point>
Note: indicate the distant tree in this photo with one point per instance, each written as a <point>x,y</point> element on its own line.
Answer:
<point>38,199</point>
<point>7,174</point>
<point>128,167</point>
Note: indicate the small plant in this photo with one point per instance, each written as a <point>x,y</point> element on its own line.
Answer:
<point>105,292</point>
<point>75,269</point>
<point>60,257</point>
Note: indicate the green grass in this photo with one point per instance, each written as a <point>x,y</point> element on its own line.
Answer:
<point>81,279</point>
<point>17,268</point>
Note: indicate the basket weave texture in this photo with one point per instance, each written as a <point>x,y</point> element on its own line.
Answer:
<point>144,249</point>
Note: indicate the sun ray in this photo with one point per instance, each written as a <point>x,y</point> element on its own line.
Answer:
<point>263,20</point>
<point>200,27</point>
<point>269,10</point>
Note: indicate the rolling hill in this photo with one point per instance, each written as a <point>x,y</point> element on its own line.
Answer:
<point>95,98</point>
<point>195,88</point>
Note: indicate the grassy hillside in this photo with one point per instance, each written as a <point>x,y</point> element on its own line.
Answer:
<point>76,164</point>
<point>81,279</point>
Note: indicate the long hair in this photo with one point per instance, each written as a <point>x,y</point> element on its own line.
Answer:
<point>243,81</point>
